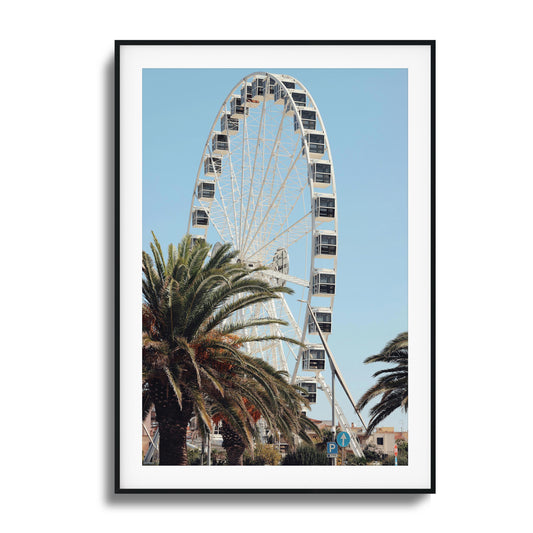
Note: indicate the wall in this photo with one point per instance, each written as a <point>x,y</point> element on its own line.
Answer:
<point>57,176</point>
<point>388,442</point>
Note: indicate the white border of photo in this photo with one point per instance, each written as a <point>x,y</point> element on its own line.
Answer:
<point>417,59</point>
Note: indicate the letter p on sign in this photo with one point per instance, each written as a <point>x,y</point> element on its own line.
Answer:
<point>332,448</point>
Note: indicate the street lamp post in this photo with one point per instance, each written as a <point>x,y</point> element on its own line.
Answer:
<point>333,459</point>
<point>332,366</point>
<point>334,372</point>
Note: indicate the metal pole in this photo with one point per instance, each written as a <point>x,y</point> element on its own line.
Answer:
<point>209,449</point>
<point>333,403</point>
<point>333,364</point>
<point>333,459</point>
<point>150,437</point>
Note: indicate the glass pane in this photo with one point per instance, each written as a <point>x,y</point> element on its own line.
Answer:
<point>327,202</point>
<point>316,138</point>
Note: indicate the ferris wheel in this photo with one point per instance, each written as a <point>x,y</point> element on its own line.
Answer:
<point>266,184</point>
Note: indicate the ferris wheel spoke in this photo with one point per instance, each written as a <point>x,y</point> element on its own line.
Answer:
<point>218,213</point>
<point>300,228</point>
<point>259,142</point>
<point>286,314</point>
<point>293,352</point>
<point>290,316</point>
<point>277,353</point>
<point>265,177</point>
<point>286,237</point>
<point>298,332</point>
<point>221,224</point>
<point>232,180</point>
<point>274,330</point>
<point>286,277</point>
<point>274,204</point>
<point>252,313</point>
<point>245,151</point>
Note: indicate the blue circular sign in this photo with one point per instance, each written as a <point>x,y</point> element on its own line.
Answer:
<point>343,439</point>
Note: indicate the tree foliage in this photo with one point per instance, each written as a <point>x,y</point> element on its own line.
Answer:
<point>306,455</point>
<point>392,383</point>
<point>193,364</point>
<point>264,454</point>
<point>281,413</point>
<point>403,454</point>
<point>353,460</point>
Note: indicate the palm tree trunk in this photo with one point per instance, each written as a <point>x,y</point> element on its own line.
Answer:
<point>173,440</point>
<point>235,455</point>
<point>233,444</point>
<point>173,422</point>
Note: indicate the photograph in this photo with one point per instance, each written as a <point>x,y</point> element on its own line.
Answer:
<point>293,243</point>
<point>274,310</point>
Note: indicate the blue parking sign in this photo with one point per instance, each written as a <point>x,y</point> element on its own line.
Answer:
<point>332,448</point>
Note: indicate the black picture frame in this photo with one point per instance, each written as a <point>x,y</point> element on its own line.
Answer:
<point>121,186</point>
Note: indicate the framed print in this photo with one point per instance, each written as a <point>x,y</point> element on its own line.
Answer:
<point>275,233</point>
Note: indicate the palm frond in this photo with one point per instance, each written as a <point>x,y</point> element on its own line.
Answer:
<point>192,351</point>
<point>174,384</point>
<point>392,384</point>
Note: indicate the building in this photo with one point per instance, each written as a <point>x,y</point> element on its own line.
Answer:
<point>149,429</point>
<point>382,439</point>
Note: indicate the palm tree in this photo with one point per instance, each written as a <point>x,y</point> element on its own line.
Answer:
<point>189,338</point>
<point>269,396</point>
<point>392,383</point>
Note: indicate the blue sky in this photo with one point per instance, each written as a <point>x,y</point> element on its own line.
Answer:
<point>365,115</point>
